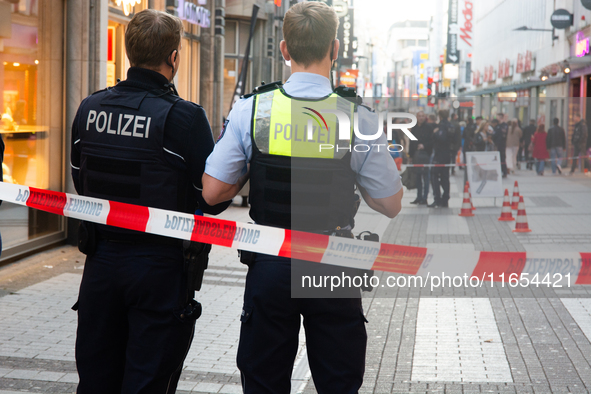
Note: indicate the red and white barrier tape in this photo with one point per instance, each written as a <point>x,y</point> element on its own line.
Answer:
<point>300,245</point>
<point>463,164</point>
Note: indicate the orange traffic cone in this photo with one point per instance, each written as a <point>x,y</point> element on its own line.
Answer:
<point>466,204</point>
<point>515,200</point>
<point>506,215</point>
<point>521,225</point>
<point>470,193</point>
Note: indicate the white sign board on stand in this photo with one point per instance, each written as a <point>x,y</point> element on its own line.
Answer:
<point>484,174</point>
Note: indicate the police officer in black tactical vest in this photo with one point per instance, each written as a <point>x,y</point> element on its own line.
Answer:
<point>139,143</point>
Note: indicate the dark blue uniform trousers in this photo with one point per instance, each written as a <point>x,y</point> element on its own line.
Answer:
<point>130,336</point>
<point>335,334</point>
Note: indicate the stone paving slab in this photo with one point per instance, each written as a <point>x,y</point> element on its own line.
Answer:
<point>458,340</point>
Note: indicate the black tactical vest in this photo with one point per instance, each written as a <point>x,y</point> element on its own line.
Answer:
<point>300,193</point>
<point>122,153</point>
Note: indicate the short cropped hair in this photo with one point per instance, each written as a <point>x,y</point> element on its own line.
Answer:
<point>151,37</point>
<point>309,29</point>
<point>555,121</point>
<point>443,114</point>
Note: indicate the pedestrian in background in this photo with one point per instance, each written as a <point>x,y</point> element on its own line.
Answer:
<point>492,132</point>
<point>455,141</point>
<point>420,151</point>
<point>500,139</point>
<point>468,137</point>
<point>579,140</point>
<point>556,142</point>
<point>481,137</point>
<point>540,151</point>
<point>441,155</point>
<point>528,133</point>
<point>513,142</point>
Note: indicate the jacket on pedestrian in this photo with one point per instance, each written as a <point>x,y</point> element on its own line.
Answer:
<point>424,134</point>
<point>556,138</point>
<point>500,135</point>
<point>455,137</point>
<point>528,133</point>
<point>469,137</point>
<point>540,151</point>
<point>580,134</point>
<point>480,141</point>
<point>442,143</point>
<point>514,136</point>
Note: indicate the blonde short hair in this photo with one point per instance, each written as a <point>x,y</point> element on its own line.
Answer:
<point>151,37</point>
<point>309,28</point>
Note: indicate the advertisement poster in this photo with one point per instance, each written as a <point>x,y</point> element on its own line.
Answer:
<point>484,174</point>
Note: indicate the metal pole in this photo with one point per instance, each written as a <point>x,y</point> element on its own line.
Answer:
<point>270,39</point>
<point>218,67</point>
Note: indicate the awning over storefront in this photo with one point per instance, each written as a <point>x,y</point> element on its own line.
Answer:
<point>513,87</point>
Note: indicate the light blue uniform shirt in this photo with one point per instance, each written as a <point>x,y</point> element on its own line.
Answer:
<point>375,169</point>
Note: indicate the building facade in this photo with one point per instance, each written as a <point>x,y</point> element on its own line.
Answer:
<point>522,66</point>
<point>408,43</point>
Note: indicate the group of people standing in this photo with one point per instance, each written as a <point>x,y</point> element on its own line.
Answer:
<point>440,140</point>
<point>437,140</point>
<point>498,134</point>
<point>552,145</point>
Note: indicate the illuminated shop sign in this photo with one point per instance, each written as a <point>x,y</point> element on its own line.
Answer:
<point>524,62</point>
<point>505,69</point>
<point>127,5</point>
<point>582,45</point>
<point>193,13</point>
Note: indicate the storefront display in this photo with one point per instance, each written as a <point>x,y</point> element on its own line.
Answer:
<point>26,103</point>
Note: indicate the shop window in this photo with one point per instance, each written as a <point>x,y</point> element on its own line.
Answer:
<point>187,79</point>
<point>230,78</point>
<point>243,39</point>
<point>184,72</point>
<point>230,38</point>
<point>117,61</point>
<point>31,91</point>
<point>237,34</point>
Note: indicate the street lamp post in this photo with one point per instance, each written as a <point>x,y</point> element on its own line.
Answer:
<point>525,28</point>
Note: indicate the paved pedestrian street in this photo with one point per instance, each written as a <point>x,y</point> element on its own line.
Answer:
<point>454,340</point>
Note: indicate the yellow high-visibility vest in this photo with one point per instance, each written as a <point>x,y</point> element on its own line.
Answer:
<point>297,127</point>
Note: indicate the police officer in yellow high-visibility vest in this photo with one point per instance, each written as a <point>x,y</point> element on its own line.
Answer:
<point>303,167</point>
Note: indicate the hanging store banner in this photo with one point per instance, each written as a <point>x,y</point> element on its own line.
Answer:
<point>466,32</point>
<point>345,35</point>
<point>419,60</point>
<point>453,55</point>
